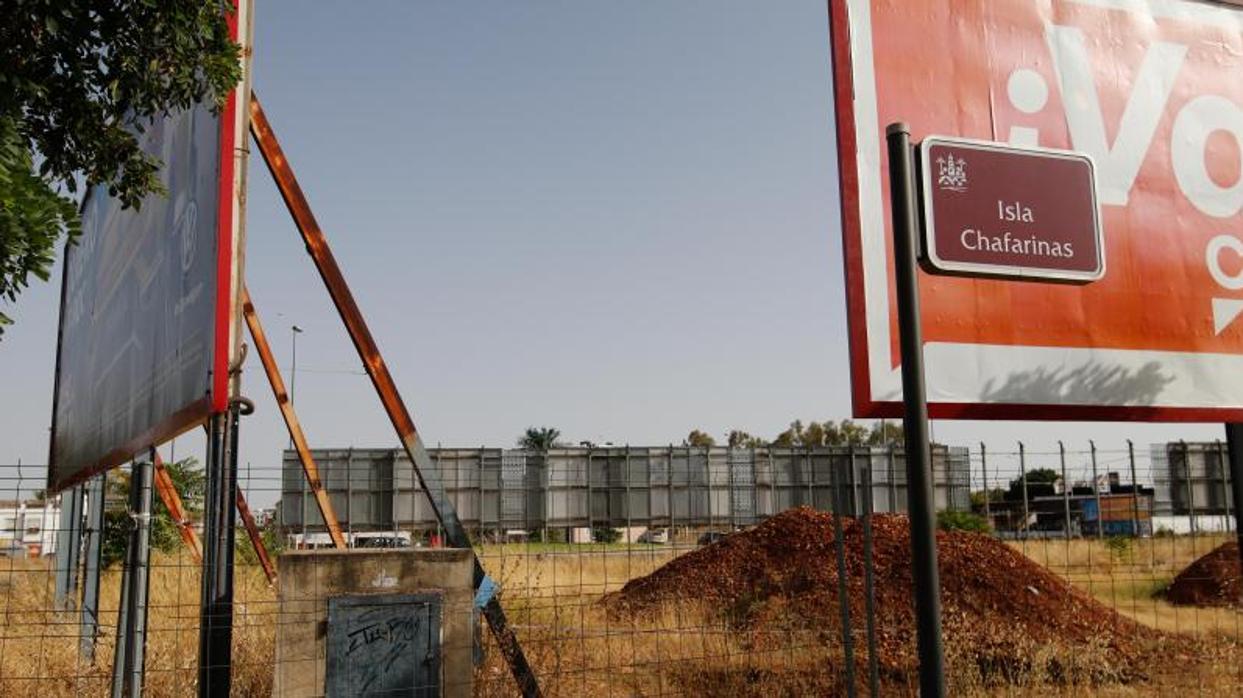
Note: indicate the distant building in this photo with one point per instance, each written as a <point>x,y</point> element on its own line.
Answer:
<point>28,528</point>
<point>1126,512</point>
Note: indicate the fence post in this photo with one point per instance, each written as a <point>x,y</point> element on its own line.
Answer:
<point>988,512</point>
<point>1225,485</point>
<point>1130,450</point>
<point>1191,493</point>
<point>1061,449</point>
<point>869,584</point>
<point>1023,481</point>
<point>892,480</point>
<point>843,591</point>
<point>1096,490</point>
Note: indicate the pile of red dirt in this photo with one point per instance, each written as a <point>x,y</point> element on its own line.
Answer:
<point>1000,609</point>
<point>1212,580</point>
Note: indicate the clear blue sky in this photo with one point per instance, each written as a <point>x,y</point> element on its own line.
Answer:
<point>619,219</point>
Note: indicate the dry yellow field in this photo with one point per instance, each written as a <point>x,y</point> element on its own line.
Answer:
<point>550,593</point>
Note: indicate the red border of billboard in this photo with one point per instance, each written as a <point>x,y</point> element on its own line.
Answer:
<point>860,383</point>
<point>224,243</point>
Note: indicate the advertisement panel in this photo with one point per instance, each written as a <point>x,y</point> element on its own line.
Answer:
<point>149,298</point>
<point>1149,90</point>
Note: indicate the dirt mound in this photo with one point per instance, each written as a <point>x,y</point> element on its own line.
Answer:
<point>1212,580</point>
<point>1002,612</point>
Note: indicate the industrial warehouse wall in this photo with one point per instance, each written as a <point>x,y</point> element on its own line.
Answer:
<point>493,488</point>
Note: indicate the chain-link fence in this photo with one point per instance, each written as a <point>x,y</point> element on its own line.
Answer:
<point>657,571</point>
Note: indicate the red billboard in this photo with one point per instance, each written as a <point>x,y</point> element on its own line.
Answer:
<point>149,299</point>
<point>1149,90</point>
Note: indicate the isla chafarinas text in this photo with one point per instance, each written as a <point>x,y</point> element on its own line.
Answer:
<point>1016,212</point>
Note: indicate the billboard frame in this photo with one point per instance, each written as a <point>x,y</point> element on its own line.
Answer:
<point>844,37</point>
<point>234,124</point>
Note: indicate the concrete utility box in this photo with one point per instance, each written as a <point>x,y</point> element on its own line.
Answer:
<point>375,622</point>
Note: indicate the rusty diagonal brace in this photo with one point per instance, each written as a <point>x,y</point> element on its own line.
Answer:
<point>172,501</point>
<point>167,490</point>
<point>382,380</point>
<point>291,421</point>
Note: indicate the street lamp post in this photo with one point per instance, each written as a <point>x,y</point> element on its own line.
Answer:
<point>294,331</point>
<point>293,369</point>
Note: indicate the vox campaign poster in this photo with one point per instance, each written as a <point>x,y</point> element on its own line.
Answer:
<point>1149,91</point>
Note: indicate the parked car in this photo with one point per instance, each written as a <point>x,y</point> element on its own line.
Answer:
<point>710,537</point>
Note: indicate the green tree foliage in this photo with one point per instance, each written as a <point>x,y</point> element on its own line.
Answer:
<point>190,482</point>
<point>699,439</point>
<point>962,521</point>
<point>830,433</point>
<point>604,534</point>
<point>738,438</point>
<point>978,497</point>
<point>1036,476</point>
<point>886,432</point>
<point>540,439</point>
<point>78,80</point>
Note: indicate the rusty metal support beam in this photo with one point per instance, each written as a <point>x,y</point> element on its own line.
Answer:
<point>256,540</point>
<point>291,421</point>
<point>172,501</point>
<point>386,388</point>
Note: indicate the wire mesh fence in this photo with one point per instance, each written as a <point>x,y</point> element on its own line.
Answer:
<point>651,571</point>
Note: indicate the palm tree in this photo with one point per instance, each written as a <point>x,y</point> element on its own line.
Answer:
<point>540,438</point>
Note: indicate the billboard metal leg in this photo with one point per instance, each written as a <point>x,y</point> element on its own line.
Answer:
<point>216,613</point>
<point>386,389</point>
<point>127,671</point>
<point>90,574</point>
<point>915,418</point>
<point>68,547</point>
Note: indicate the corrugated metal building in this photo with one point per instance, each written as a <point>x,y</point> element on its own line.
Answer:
<point>374,489</point>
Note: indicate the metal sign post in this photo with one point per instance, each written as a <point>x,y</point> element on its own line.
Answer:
<point>915,418</point>
<point>216,614</point>
<point>94,533</point>
<point>128,667</point>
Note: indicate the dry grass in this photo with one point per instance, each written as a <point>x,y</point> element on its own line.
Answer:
<point>1132,578</point>
<point>578,650</point>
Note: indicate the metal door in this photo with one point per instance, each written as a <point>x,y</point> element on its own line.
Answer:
<point>385,645</point>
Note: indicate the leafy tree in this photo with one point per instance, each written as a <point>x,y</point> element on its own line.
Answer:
<point>994,495</point>
<point>700,439</point>
<point>962,521</point>
<point>885,432</point>
<point>540,439</point>
<point>738,438</point>
<point>828,433</point>
<point>190,482</point>
<point>604,534</point>
<point>78,80</point>
<point>1036,476</point>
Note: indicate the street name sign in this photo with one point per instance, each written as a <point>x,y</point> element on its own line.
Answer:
<point>1150,91</point>
<point>997,210</point>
